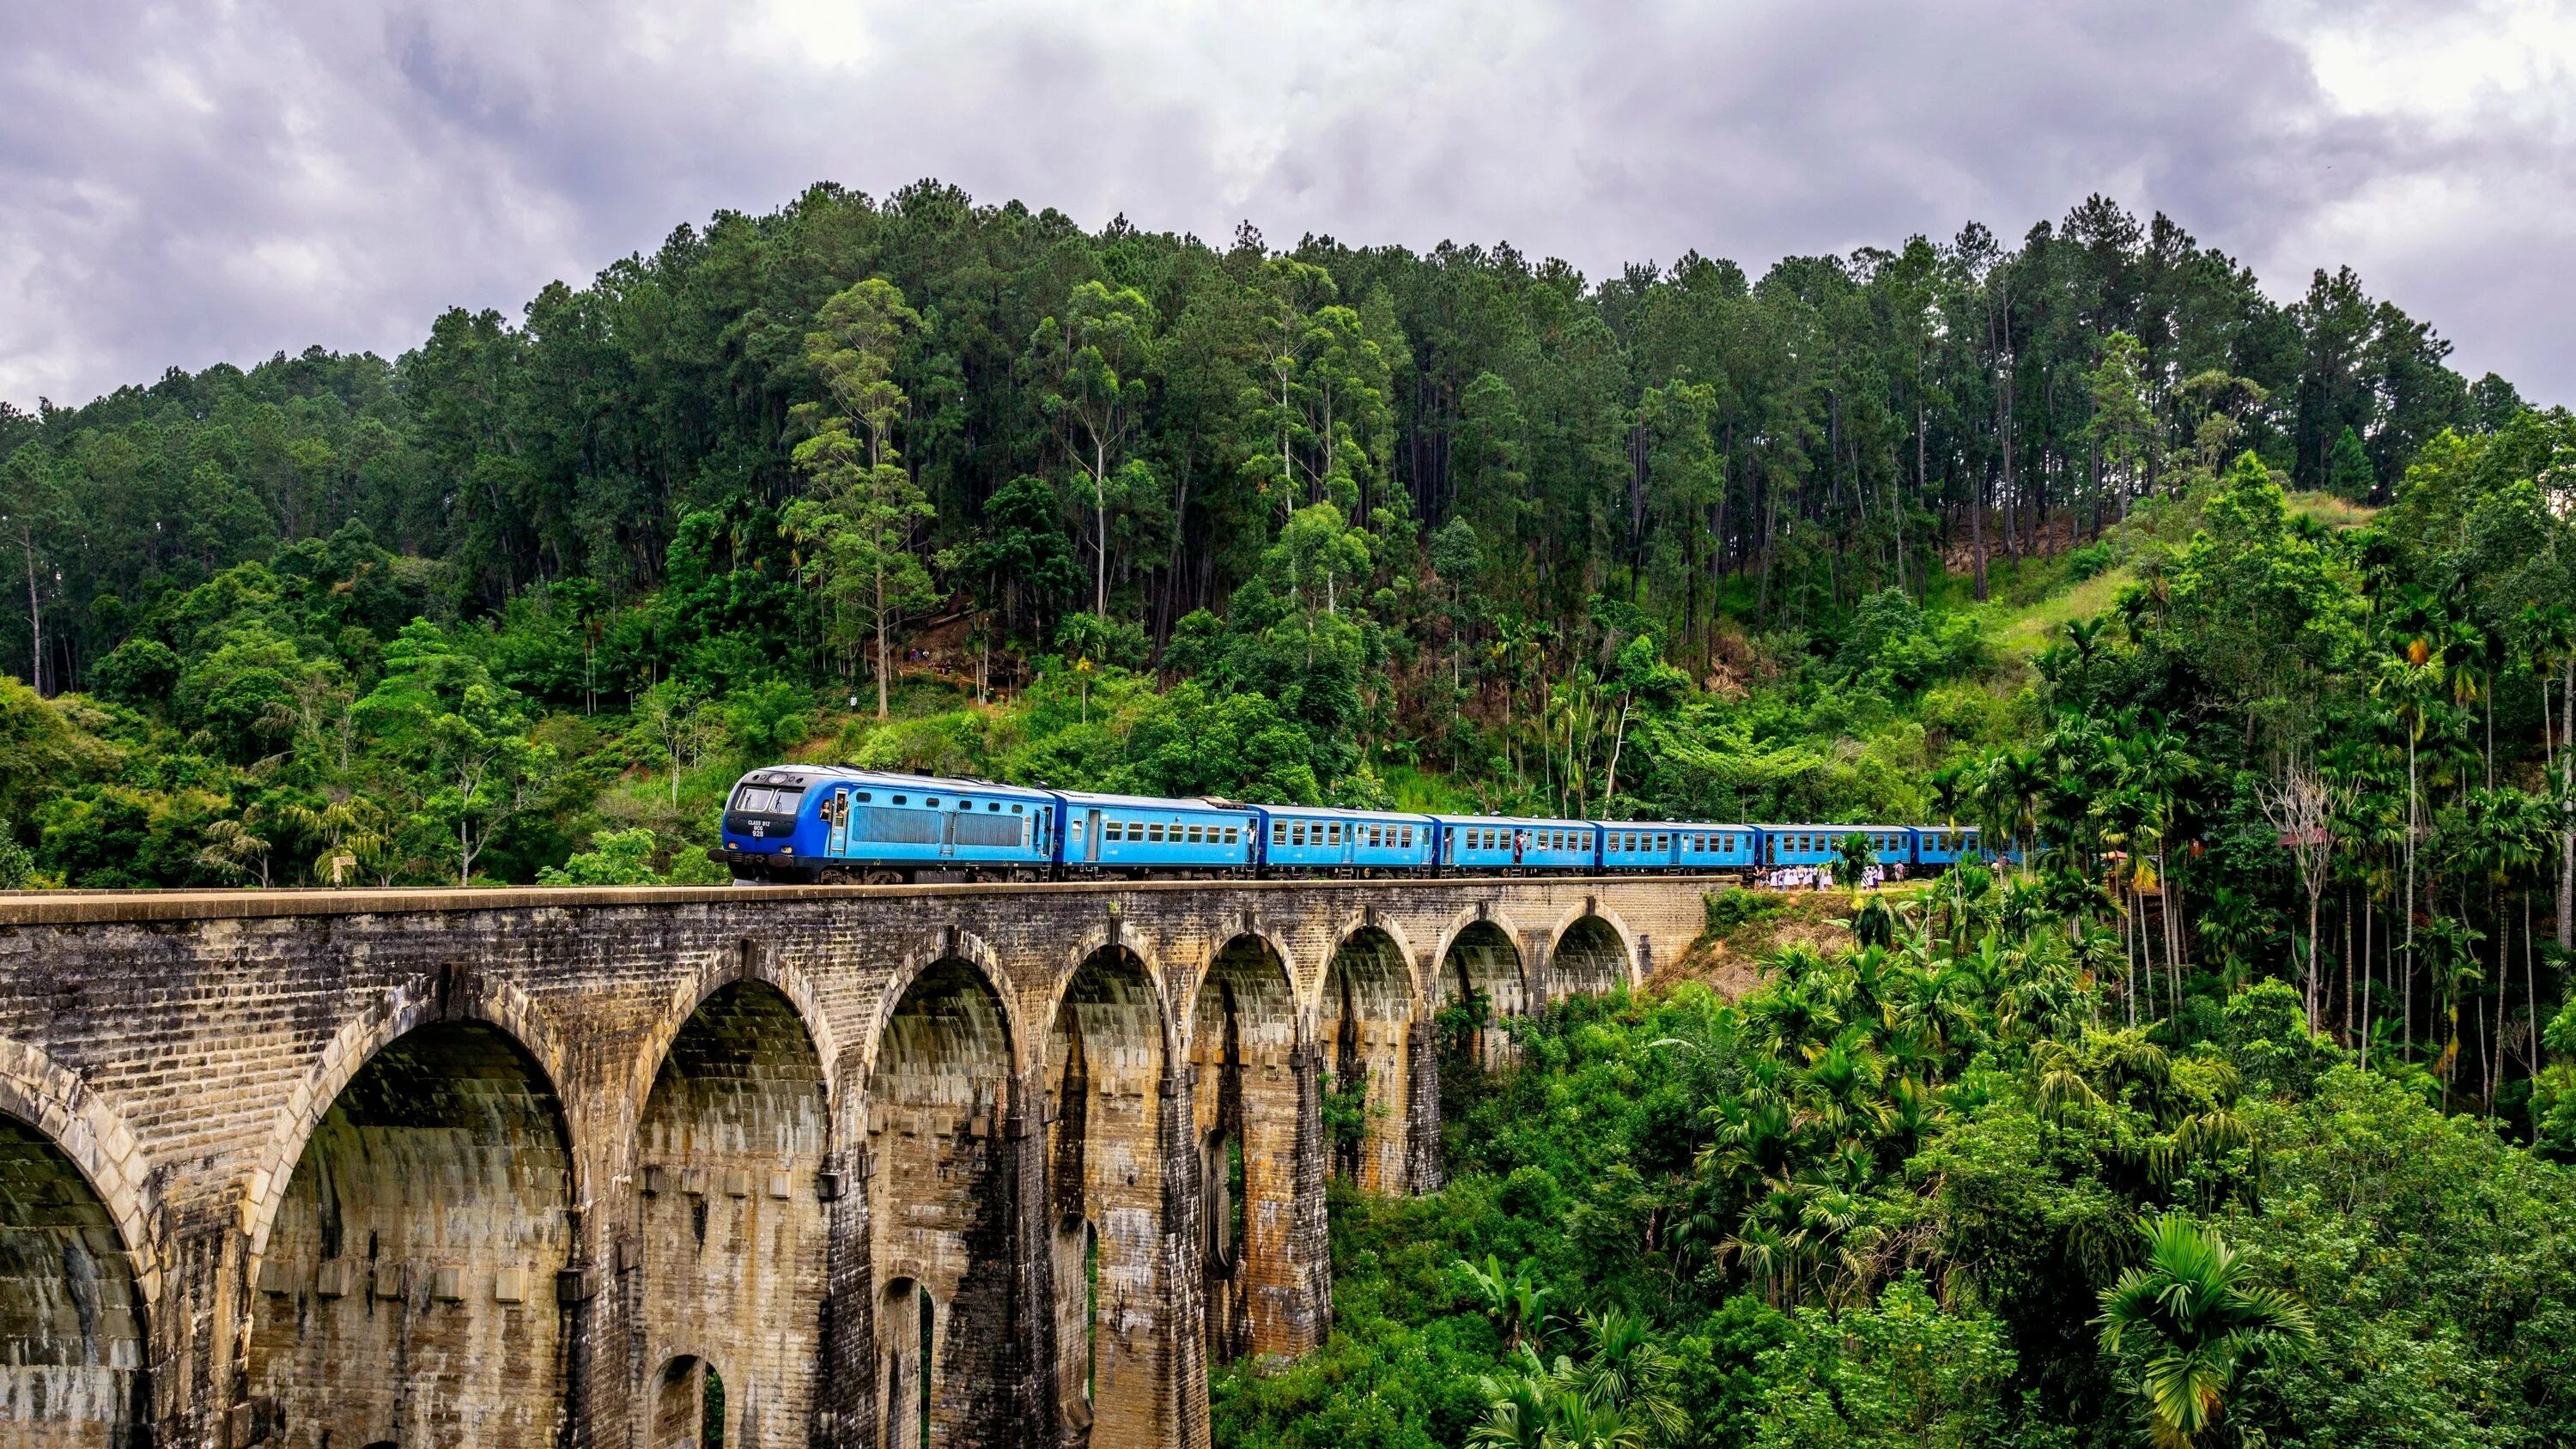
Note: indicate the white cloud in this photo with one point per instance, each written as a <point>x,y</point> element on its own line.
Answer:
<point>193,184</point>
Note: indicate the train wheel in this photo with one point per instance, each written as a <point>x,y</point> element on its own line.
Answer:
<point>884,877</point>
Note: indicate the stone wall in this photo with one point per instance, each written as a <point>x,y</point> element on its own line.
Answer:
<point>583,1168</point>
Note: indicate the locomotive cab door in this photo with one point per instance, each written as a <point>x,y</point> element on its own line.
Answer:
<point>947,835</point>
<point>1091,837</point>
<point>838,813</point>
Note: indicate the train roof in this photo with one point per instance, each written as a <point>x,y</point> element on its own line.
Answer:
<point>1675,825</point>
<point>1336,812</point>
<point>1510,820</point>
<point>1845,826</point>
<point>895,780</point>
<point>1147,802</point>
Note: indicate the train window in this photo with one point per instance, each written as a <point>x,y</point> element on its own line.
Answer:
<point>1198,835</point>
<point>1109,830</point>
<point>1663,841</point>
<point>1232,835</point>
<point>1408,837</point>
<point>1154,833</point>
<point>930,802</point>
<point>1336,831</point>
<point>898,799</point>
<point>865,797</point>
<point>1279,832</point>
<point>1014,809</point>
<point>1297,834</point>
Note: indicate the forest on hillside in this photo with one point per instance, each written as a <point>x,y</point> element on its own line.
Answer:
<point>2233,1114</point>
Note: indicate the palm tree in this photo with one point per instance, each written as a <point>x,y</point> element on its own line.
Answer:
<point>1628,1373</point>
<point>2199,1323</point>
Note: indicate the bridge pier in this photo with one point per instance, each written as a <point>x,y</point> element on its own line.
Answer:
<point>852,1167</point>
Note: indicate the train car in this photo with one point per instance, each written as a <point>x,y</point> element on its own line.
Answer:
<point>1938,847</point>
<point>1137,835</point>
<point>1699,846</point>
<point>1481,843</point>
<point>1822,844</point>
<point>1639,844</point>
<point>827,823</point>
<point>1311,840</point>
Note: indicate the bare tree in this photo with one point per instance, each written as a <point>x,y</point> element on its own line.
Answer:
<point>2302,806</point>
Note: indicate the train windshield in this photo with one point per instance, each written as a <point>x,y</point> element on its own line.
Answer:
<point>759,800</point>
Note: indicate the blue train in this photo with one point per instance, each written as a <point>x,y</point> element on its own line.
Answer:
<point>824,823</point>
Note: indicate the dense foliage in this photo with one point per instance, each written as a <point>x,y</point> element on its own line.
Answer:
<point>1942,1193</point>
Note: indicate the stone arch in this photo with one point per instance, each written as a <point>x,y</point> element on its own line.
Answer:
<point>449,996</point>
<point>909,1326</point>
<point>943,1179</point>
<point>1146,958</point>
<point>691,1405</point>
<point>731,1232</point>
<point>1372,920</point>
<point>747,960</point>
<point>75,1341</point>
<point>407,1289</point>
<point>1364,1029</point>
<point>1255,1086</point>
<point>1105,1075</point>
<point>953,948</point>
<point>1590,952</point>
<point>1480,953</point>
<point>50,1097</point>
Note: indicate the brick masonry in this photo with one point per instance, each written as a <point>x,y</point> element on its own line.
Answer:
<point>1007,1165</point>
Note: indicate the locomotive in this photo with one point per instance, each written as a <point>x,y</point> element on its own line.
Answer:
<point>809,824</point>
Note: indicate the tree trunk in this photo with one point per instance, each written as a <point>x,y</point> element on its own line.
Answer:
<point>1977,530</point>
<point>2567,823</point>
<point>884,654</point>
<point>2406,1029</point>
<point>2369,975</point>
<point>35,614</point>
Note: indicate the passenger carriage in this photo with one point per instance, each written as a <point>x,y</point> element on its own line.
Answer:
<point>1938,847</point>
<point>1139,835</point>
<point>1637,844</point>
<point>1675,846</point>
<point>1305,840</point>
<point>1478,843</point>
<point>1712,847</point>
<point>1891,845</point>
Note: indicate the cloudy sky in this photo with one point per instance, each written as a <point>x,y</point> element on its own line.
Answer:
<point>199,182</point>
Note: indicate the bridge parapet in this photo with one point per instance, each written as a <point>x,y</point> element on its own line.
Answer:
<point>1040,1152</point>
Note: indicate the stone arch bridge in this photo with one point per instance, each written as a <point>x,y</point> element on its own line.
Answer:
<point>843,1167</point>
